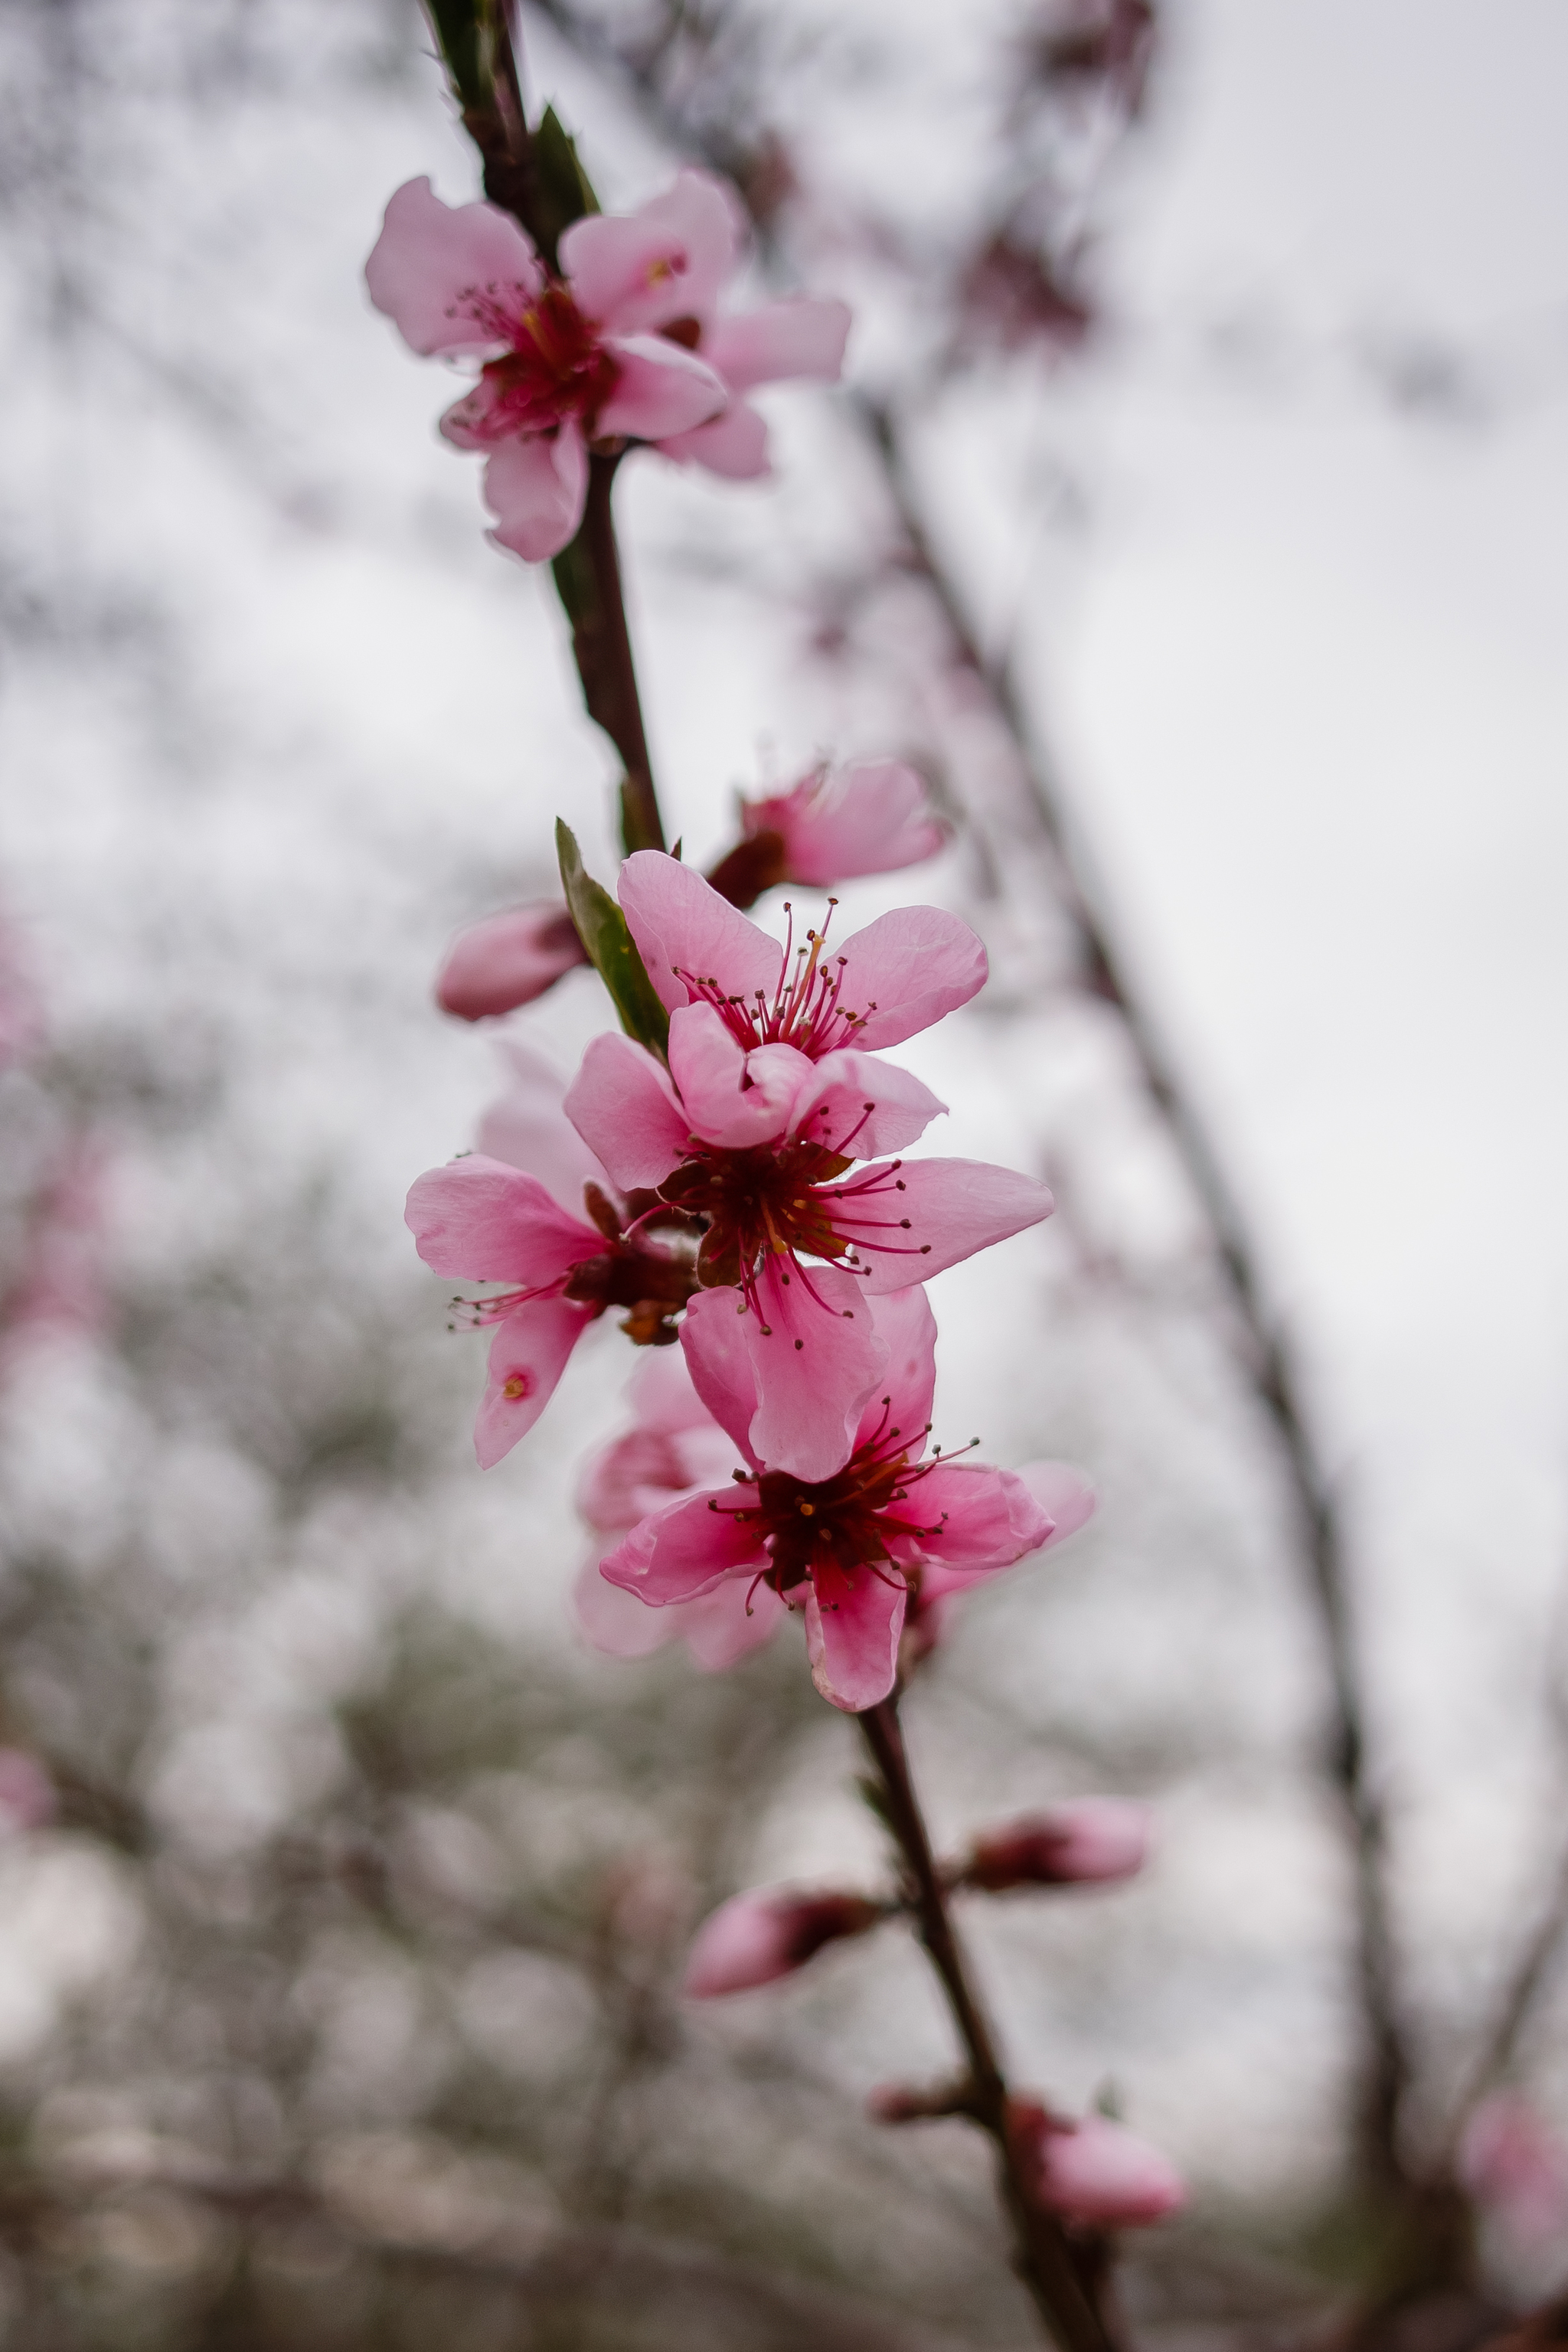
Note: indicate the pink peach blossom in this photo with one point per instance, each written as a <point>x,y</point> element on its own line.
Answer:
<point>483,1218</point>
<point>27,1797</point>
<point>1096,2173</point>
<point>564,361</point>
<point>873,818</point>
<point>508,959</point>
<point>846,1548</point>
<point>754,1143</point>
<point>1515,2164</point>
<point>1067,1499</point>
<point>755,1938</point>
<point>1088,1840</point>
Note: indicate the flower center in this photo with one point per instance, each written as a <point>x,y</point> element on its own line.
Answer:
<point>556,367</point>
<point>805,1010</point>
<point>848,1521</point>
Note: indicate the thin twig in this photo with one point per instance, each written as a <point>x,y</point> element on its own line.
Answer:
<point>1055,2275</point>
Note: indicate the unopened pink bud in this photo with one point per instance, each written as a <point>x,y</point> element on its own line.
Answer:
<point>1090,1840</point>
<point>28,1799</point>
<point>755,1938</point>
<point>508,959</point>
<point>1098,2172</point>
<point>875,818</point>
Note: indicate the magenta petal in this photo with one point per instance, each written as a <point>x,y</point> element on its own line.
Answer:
<point>803,339</point>
<point>733,444</point>
<point>480,1220</point>
<point>613,1621</point>
<point>528,1356</point>
<point>955,1207</point>
<point>873,819</point>
<point>907,968</point>
<point>666,261</point>
<point>623,1105</point>
<point>858,1096</point>
<point>537,487</point>
<point>816,1361</point>
<point>732,1097</point>
<point>680,924</point>
<point>430,258</point>
<point>508,959</point>
<point>852,1628</point>
<point>1063,1494</point>
<point>687,1548</point>
<point>727,1624</point>
<point>661,1395</point>
<point>987,1517</point>
<point>713,1342</point>
<point>527,1128</point>
<point>905,1325</point>
<point>660,389</point>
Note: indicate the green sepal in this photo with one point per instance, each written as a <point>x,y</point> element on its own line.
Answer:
<point>460,39</point>
<point>563,192</point>
<point>602,928</point>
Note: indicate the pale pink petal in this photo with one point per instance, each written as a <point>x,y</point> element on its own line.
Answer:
<point>478,419</point>
<point>1098,2173</point>
<point>637,1474</point>
<point>852,1628</point>
<point>662,1397</point>
<point>981,1518</point>
<point>616,1622</point>
<point>1063,1494</point>
<point>954,1208</point>
<point>666,261</point>
<point>1515,2164</point>
<point>660,389</point>
<point>871,819</point>
<point>687,1548</point>
<point>623,1105</point>
<point>28,1797</point>
<point>1089,1841</point>
<point>483,1221</point>
<point>680,925</point>
<point>528,1356</point>
<point>816,1361</point>
<point>907,968</point>
<point>729,1096</point>
<point>713,1343</point>
<point>904,1323</point>
<point>431,261</point>
<point>753,1939</point>
<point>508,959</point>
<point>860,1105</point>
<point>733,444</point>
<point>800,338</point>
<point>537,488</point>
<point>527,1128</point>
<point>725,1625</point>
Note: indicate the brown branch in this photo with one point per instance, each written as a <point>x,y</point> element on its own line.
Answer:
<point>1061,2278</point>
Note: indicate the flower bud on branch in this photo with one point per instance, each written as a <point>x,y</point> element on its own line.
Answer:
<point>755,1938</point>
<point>1093,2172</point>
<point>1091,1841</point>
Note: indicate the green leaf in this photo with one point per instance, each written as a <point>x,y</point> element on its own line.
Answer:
<point>602,928</point>
<point>563,192</point>
<point>457,28</point>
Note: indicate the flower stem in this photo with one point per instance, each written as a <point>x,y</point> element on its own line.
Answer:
<point>1064,2280</point>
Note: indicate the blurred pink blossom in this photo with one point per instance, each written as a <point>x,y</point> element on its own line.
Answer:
<point>507,960</point>
<point>833,825</point>
<point>28,1798</point>
<point>1096,2173</point>
<point>755,1938</point>
<point>61,1290</point>
<point>1515,2166</point>
<point>1085,1841</point>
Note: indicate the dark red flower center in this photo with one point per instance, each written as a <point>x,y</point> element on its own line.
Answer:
<point>556,367</point>
<point>848,1521</point>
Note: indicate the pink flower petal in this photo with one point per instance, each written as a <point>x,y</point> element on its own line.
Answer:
<point>729,1096</point>
<point>681,925</point>
<point>954,1208</point>
<point>733,444</point>
<point>643,1469</point>
<point>753,1939</point>
<point>906,1328</point>
<point>431,257</point>
<point>907,968</point>
<point>482,1222</point>
<point>988,1518</point>
<point>528,1356</point>
<point>527,1128</point>
<point>803,339</point>
<point>687,1548</point>
<point>662,1397</point>
<point>860,1105</point>
<point>614,1621</point>
<point>852,1628</point>
<point>1063,1494</point>
<point>713,1343</point>
<point>817,1363</point>
<point>508,959</point>
<point>872,819</point>
<point>623,1105</point>
<point>537,488</point>
<point>660,389</point>
<point>1098,2173</point>
<point>666,261</point>
<point>725,1625</point>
